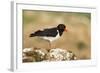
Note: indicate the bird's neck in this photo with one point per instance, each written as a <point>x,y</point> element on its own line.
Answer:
<point>60,32</point>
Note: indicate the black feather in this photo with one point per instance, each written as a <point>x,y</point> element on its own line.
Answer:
<point>46,32</point>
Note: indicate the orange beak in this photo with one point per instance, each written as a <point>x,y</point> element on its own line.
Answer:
<point>66,29</point>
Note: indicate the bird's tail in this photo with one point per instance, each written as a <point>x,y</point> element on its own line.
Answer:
<point>32,35</point>
<point>37,33</point>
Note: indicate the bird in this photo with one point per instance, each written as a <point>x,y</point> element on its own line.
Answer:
<point>50,34</point>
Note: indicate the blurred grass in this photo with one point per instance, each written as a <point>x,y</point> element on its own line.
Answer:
<point>78,35</point>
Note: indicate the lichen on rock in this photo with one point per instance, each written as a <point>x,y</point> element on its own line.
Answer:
<point>40,54</point>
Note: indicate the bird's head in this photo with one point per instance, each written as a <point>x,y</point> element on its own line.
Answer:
<point>62,27</point>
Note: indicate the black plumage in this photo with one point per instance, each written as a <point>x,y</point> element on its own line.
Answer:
<point>51,32</point>
<point>46,32</point>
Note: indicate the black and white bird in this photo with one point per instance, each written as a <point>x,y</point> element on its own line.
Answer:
<point>50,34</point>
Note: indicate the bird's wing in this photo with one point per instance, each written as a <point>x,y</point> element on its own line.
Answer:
<point>46,32</point>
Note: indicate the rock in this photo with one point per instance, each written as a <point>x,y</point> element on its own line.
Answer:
<point>25,50</point>
<point>59,54</point>
<point>56,54</point>
<point>28,51</point>
<point>40,54</point>
<point>28,59</point>
<point>70,56</point>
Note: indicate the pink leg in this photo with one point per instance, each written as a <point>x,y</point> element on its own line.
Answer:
<point>50,46</point>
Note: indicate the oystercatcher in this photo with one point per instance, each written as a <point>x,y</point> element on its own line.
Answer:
<point>50,34</point>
